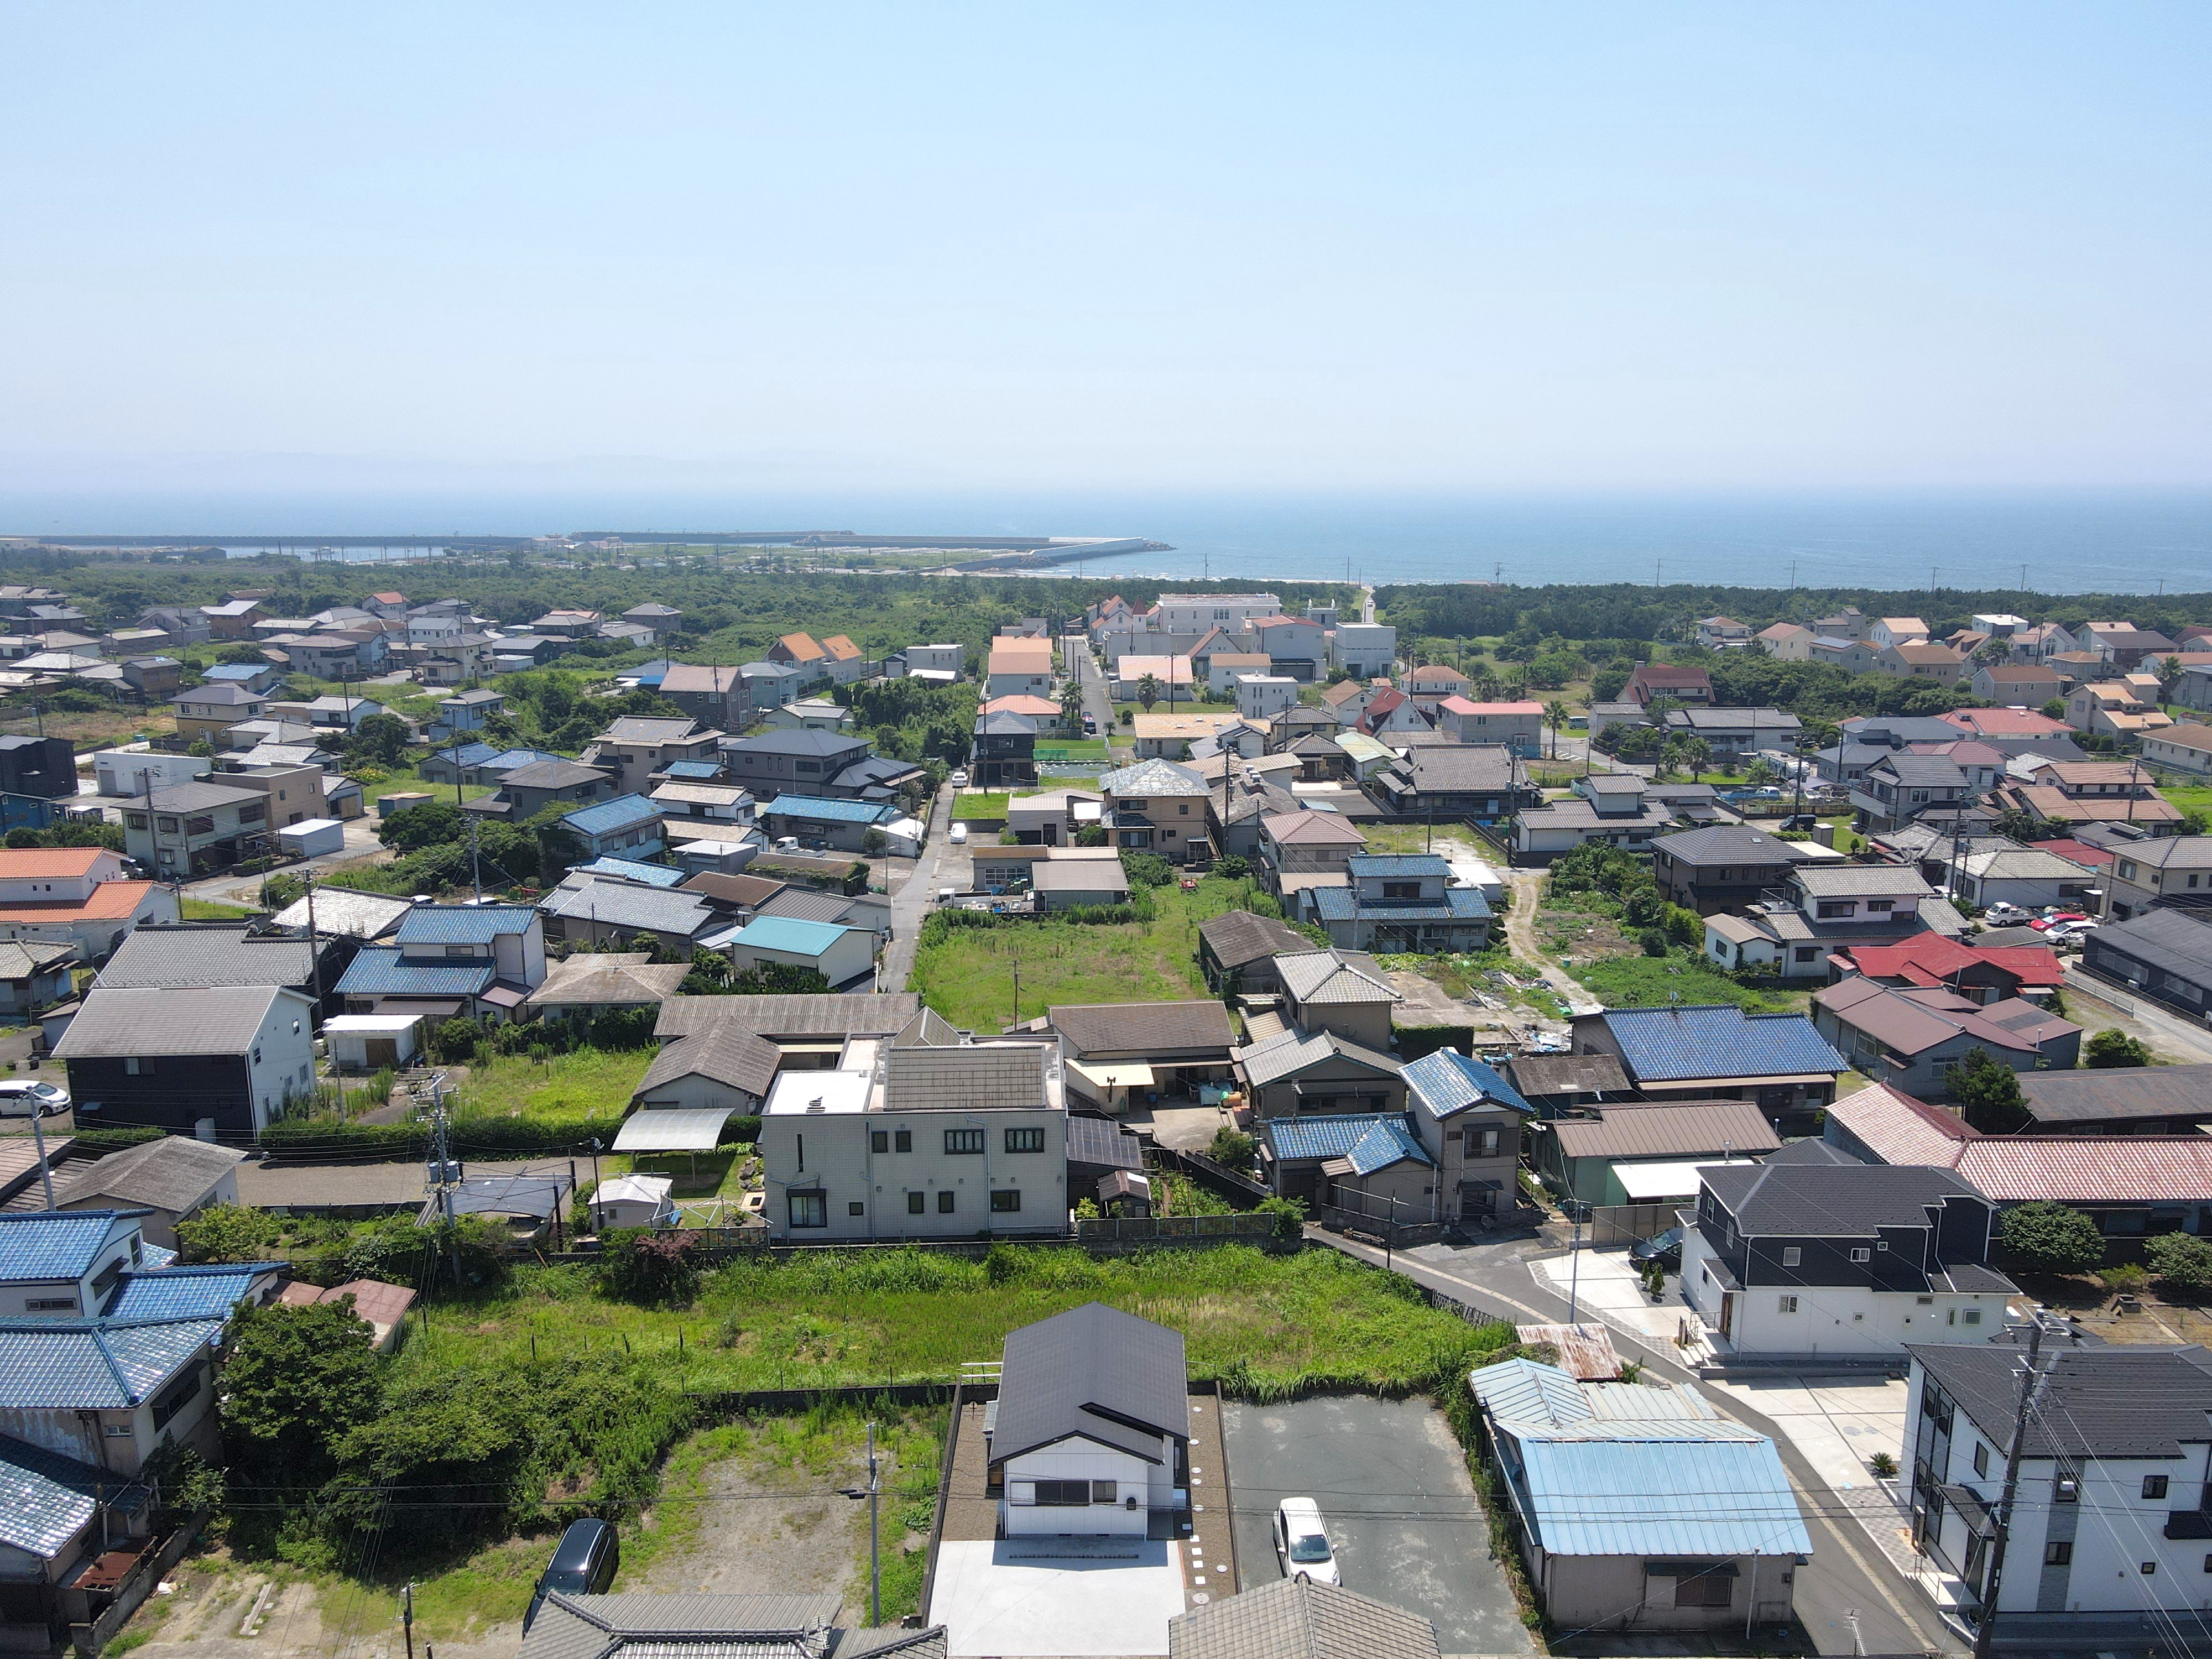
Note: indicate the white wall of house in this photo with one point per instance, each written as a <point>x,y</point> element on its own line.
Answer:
<point>1614,1590</point>
<point>835,1153</point>
<point>1079,1460</point>
<point>1833,1318</point>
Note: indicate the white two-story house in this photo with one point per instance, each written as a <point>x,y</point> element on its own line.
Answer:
<point>1829,907</point>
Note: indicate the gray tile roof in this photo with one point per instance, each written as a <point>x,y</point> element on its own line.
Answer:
<point>1856,880</point>
<point>1725,844</point>
<point>1924,771</point>
<point>215,1020</point>
<point>175,1173</point>
<point>2124,1400</point>
<point>1297,1619</point>
<point>1288,1053</point>
<point>632,729</point>
<point>201,797</point>
<point>1459,766</point>
<point>730,1053</point>
<point>1139,1027</point>
<point>699,1626</point>
<point>1336,977</point>
<point>1149,779</point>
<point>624,904</point>
<point>818,1015</point>
<point>184,954</point>
<point>1695,1128</point>
<point>1237,938</point>
<point>2094,1096</point>
<point>1093,1370</point>
<point>983,1078</point>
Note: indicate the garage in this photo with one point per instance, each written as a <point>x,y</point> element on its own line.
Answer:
<point>1394,1491</point>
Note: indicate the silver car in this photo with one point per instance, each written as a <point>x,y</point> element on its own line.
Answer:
<point>20,1097</point>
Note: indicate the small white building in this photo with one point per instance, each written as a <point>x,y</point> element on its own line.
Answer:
<point>312,838</point>
<point>839,954</point>
<point>367,1043</point>
<point>1090,1433</point>
<point>1262,697</point>
<point>634,1201</point>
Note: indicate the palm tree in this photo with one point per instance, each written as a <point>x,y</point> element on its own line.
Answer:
<point>1070,706</point>
<point>1148,691</point>
<point>1555,712</point>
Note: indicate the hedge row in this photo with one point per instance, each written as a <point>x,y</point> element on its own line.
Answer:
<point>316,1139</point>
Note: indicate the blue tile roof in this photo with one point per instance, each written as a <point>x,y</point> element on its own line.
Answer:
<point>1449,1081</point>
<point>1371,1141</point>
<point>1659,1044</point>
<point>507,760</point>
<point>609,816</point>
<point>827,812</point>
<point>802,938</point>
<point>694,771</point>
<point>378,970</point>
<point>1456,904</point>
<point>46,1499</point>
<point>50,1246</point>
<point>467,754</point>
<point>204,1292</point>
<point>1397,864</point>
<point>1672,1493</point>
<point>462,924</point>
<point>652,875</point>
<point>92,1364</point>
<point>235,670</point>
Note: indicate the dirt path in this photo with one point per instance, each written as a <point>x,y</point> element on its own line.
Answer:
<point>1528,887</point>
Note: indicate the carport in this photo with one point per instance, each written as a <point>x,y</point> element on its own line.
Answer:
<point>693,1129</point>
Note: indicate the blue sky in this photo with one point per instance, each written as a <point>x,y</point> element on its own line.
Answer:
<point>1459,248</point>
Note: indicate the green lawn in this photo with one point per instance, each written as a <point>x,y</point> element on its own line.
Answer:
<point>2189,797</point>
<point>969,977</point>
<point>589,1083</point>
<point>1071,748</point>
<point>407,777</point>
<point>1642,982</point>
<point>200,909</point>
<point>985,807</point>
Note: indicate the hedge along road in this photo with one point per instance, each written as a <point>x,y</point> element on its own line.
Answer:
<point>1847,1584</point>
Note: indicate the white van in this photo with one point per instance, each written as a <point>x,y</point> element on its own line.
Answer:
<point>959,835</point>
<point>1302,1546</point>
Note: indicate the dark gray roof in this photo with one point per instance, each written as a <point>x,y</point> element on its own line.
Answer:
<point>202,797</point>
<point>1567,1075</point>
<point>555,775</point>
<point>2102,1095</point>
<point>1093,1370</point>
<point>1904,728</point>
<point>1460,766</point>
<point>175,1173</point>
<point>798,740</point>
<point>216,1020</point>
<point>1822,1200</point>
<point>730,1053</point>
<point>2122,1400</point>
<point>1723,844</point>
<point>1808,1152</point>
<point>2173,940</point>
<point>179,955</point>
<point>698,1626</point>
<point>1237,938</point>
<point>1924,771</point>
<point>820,1015</point>
<point>1108,1146</point>
<point>1297,1619</point>
<point>975,1077</point>
<point>1159,1028</point>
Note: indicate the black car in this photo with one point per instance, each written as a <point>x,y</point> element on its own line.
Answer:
<point>583,1564</point>
<point>1666,1248</point>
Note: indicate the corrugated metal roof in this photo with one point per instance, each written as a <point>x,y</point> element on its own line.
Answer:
<point>1585,1351</point>
<point>1718,1041</point>
<point>1528,1390</point>
<point>672,1129</point>
<point>379,970</point>
<point>1297,1619</point>
<point>789,933</point>
<point>1663,1494</point>
<point>1655,1129</point>
<point>651,875</point>
<point>463,924</point>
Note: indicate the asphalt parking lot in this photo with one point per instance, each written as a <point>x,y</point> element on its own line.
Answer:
<point>1394,1491</point>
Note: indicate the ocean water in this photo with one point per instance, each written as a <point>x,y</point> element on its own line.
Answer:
<point>2137,543</point>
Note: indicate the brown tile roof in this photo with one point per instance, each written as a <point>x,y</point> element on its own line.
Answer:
<point>1237,938</point>
<point>1642,1129</point>
<point>1138,1027</point>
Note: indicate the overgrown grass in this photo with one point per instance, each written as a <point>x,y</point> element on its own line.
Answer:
<point>590,1084</point>
<point>1647,982</point>
<point>969,977</point>
<point>200,909</point>
<point>1268,1325</point>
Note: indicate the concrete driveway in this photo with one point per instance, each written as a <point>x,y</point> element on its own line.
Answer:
<point>1394,1491</point>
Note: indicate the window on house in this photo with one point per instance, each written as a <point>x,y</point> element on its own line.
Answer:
<point>809,1210</point>
<point>1006,1200</point>
<point>2060,1555</point>
<point>1808,952</point>
<point>138,1065</point>
<point>1105,1491</point>
<point>1830,909</point>
<point>2147,1568</point>
<point>879,1140</point>
<point>1485,1144</point>
<point>901,1141</point>
<point>945,1202</point>
<point>1981,1457</point>
<point>1860,1253</point>
<point>1785,1305</point>
<point>1970,1316</point>
<point>963,1140</point>
<point>179,1394</point>
<point>2154,1485</point>
<point>1063,1494</point>
<point>1710,1588</point>
<point>856,1207</point>
<point>916,1202</point>
<point>51,1304</point>
<point>1024,1140</point>
<point>1791,1255</point>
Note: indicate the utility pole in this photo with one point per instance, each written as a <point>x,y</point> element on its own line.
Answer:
<point>476,868</point>
<point>2031,1387</point>
<point>46,1171</point>
<point>875,1560</point>
<point>407,1617</point>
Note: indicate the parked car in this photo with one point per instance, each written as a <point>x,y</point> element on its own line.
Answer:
<point>583,1564</point>
<point>1666,1248</point>
<point>20,1097</point>
<point>2068,918</point>
<point>1302,1546</point>
<point>959,778</point>
<point>1089,725</point>
<point>959,835</point>
<point>2005,916</point>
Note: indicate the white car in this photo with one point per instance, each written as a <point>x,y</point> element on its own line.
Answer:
<point>959,779</point>
<point>959,835</point>
<point>2005,916</point>
<point>20,1097</point>
<point>1302,1546</point>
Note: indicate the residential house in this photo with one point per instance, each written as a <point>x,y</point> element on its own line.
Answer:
<point>1469,1120</point>
<point>1433,684</point>
<point>192,955</point>
<point>1900,788</point>
<point>1982,973</point>
<point>1157,806</point>
<point>477,962</point>
<point>1293,1073</point>
<point>630,750</point>
<point>1237,952</point>
<point>1305,841</point>
<point>43,769</point>
<point>583,988</point>
<point>182,623</point>
<point>822,763</point>
<point>772,684</point>
<point>2030,878</point>
<point>2165,869</point>
<point>1720,868</point>
<point>1563,1086</point>
<point>2108,1526</point>
<point>1262,697</point>
<point>1483,781</point>
<point>528,790</point>
<point>1921,661</point>
<point>568,623</point>
<point>627,826</point>
<point>1118,1052</point>
<point>1297,1619</point>
<point>469,711</point>
<point>1361,1167</point>
<point>1042,711</point>
<point>2163,953</point>
<point>1193,613</point>
<point>703,808</point>
<point>2026,685</point>
<point>636,1626</point>
<point>1021,664</point>
<point>2131,1185</point>
<point>2184,748</point>
<point>1338,993</point>
<point>207,711</point>
<point>2154,1100</point>
<point>196,829</point>
<point>1828,908</point>
<point>602,909</point>
<point>233,1055</point>
<point>1842,1259</point>
<point>336,656</point>
<point>1854,656</point>
<point>1360,649</point>
<point>254,676</point>
<point>1584,1159</point>
<point>711,695</point>
<point>842,954</point>
<point>1518,726</point>
<point>1736,731</point>
<point>1221,669</point>
<point>34,975</point>
<point>949,661</point>
<point>1784,641</point>
<point>1716,1053</point>
<point>2089,792</point>
<point>80,895</point>
<point>153,677</point>
<point>1638,1508</point>
<point>1053,818</point>
<point>1402,902</point>
<point>1296,646</point>
<point>1886,631</point>
<point>161,1183</point>
<point>1172,737</point>
<point>887,1145</point>
<point>2114,708</point>
<point>233,619</point>
<point>1005,752</point>
<point>1390,711</point>
<point>1612,807</point>
<point>1652,682</point>
<point>1909,1037</point>
<point>1723,633</point>
<point>818,822</point>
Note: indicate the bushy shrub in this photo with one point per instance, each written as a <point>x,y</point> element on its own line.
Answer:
<point>2046,1237</point>
<point>653,1270</point>
<point>1289,1213</point>
<point>1232,1147</point>
<point>2182,1261</point>
<point>2114,1048</point>
<point>227,1233</point>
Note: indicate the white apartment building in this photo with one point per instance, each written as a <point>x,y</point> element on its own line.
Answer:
<point>955,1138</point>
<point>1196,613</point>
<point>1262,697</point>
<point>1364,650</point>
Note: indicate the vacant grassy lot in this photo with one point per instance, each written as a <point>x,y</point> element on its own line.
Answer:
<point>985,807</point>
<point>407,778</point>
<point>1267,1323</point>
<point>589,1085</point>
<point>2191,797</point>
<point>1641,981</point>
<point>970,977</point>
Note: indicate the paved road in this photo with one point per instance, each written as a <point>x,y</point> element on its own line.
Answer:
<point>910,901</point>
<point>2173,1036</point>
<point>1847,1576</point>
<point>1096,702</point>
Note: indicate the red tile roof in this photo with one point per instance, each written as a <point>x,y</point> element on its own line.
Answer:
<point>2079,851</point>
<point>1932,958</point>
<point>111,900</point>
<point>48,863</point>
